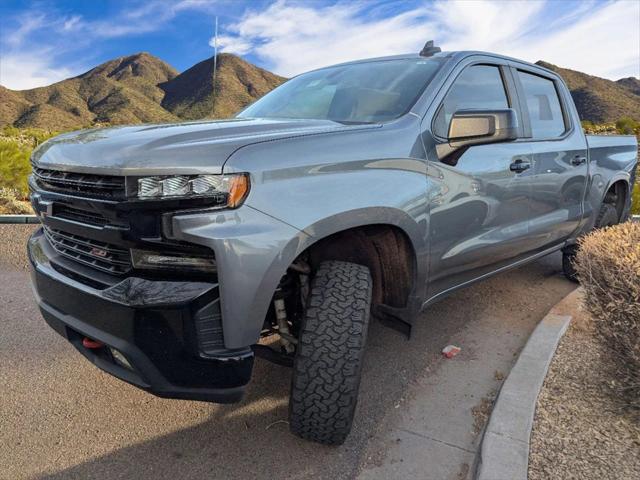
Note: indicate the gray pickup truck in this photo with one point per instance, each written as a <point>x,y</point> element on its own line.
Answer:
<point>167,253</point>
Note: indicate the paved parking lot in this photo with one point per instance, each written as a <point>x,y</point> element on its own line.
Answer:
<point>60,418</point>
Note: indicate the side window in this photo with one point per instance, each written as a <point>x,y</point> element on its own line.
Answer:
<point>478,87</point>
<point>544,107</point>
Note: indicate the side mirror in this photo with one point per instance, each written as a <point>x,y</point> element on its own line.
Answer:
<point>479,127</point>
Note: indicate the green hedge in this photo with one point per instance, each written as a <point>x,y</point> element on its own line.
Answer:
<point>14,167</point>
<point>635,200</point>
<point>16,145</point>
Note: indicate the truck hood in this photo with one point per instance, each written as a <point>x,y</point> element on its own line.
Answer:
<point>180,148</point>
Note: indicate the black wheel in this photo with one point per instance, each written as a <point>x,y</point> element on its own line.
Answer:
<point>328,362</point>
<point>607,216</point>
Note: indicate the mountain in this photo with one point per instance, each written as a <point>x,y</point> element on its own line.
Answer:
<point>631,83</point>
<point>191,94</point>
<point>124,90</point>
<point>600,100</point>
<point>138,88</point>
<point>142,88</point>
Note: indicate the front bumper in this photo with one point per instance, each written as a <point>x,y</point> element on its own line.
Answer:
<point>160,327</point>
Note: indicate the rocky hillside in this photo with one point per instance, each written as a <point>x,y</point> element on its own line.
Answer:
<point>136,89</point>
<point>600,100</point>
<point>142,88</point>
<point>191,95</point>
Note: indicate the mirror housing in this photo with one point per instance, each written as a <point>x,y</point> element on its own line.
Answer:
<point>479,127</point>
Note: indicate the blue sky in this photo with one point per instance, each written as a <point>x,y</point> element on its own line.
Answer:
<point>43,41</point>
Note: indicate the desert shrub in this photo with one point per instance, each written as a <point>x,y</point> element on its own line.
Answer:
<point>10,204</point>
<point>608,265</point>
<point>14,166</point>
<point>628,126</point>
<point>635,200</point>
<point>588,126</point>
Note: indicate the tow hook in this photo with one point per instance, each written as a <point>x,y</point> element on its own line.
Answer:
<point>91,344</point>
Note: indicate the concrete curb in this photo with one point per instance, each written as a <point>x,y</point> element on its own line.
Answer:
<point>19,219</point>
<point>635,218</point>
<point>504,453</point>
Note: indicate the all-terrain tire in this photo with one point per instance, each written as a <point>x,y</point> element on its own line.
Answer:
<point>607,216</point>
<point>328,362</point>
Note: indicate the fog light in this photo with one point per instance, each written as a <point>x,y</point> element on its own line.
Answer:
<point>120,359</point>
<point>154,260</point>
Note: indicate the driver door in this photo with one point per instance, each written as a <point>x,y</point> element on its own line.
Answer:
<point>479,198</point>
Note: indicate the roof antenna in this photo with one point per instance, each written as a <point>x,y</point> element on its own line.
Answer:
<point>215,64</point>
<point>429,49</point>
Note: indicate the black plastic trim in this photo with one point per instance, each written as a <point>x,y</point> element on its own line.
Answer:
<point>151,323</point>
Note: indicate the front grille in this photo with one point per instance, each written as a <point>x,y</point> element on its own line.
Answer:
<point>99,255</point>
<point>87,185</point>
<point>84,216</point>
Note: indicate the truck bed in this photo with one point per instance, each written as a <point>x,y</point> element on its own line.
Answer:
<point>618,152</point>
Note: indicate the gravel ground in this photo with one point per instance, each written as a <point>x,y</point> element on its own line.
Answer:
<point>13,246</point>
<point>580,430</point>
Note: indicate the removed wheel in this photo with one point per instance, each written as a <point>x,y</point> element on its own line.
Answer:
<point>607,216</point>
<point>328,362</point>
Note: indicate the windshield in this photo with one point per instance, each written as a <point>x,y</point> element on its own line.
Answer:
<point>356,93</point>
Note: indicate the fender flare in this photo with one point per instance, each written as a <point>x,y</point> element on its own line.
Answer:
<point>625,177</point>
<point>317,231</point>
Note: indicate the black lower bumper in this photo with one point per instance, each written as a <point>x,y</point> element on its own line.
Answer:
<point>149,330</point>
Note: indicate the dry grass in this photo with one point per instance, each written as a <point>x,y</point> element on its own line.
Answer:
<point>11,205</point>
<point>608,265</point>
<point>581,431</point>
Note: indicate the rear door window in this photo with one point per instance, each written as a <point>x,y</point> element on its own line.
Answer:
<point>543,103</point>
<point>479,87</point>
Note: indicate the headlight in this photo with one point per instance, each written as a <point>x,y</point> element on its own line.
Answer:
<point>227,190</point>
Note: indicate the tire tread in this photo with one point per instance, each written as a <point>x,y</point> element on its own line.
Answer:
<point>328,364</point>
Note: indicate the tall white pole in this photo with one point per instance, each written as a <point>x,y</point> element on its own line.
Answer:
<point>215,62</point>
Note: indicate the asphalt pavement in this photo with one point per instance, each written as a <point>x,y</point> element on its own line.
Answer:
<point>419,415</point>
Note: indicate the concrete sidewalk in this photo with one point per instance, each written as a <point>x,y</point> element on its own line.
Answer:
<point>435,433</point>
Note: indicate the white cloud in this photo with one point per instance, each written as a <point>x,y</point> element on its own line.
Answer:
<point>72,23</point>
<point>604,42</point>
<point>20,72</point>
<point>28,23</point>
<point>294,38</point>
<point>147,17</point>
<point>600,39</point>
<point>25,62</point>
<point>232,44</point>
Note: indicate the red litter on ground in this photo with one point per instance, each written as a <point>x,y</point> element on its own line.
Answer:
<point>450,351</point>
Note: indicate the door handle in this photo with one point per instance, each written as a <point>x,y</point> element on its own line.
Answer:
<point>578,160</point>
<point>519,165</point>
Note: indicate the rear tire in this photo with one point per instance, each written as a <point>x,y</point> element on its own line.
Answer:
<point>328,363</point>
<point>607,216</point>
<point>568,267</point>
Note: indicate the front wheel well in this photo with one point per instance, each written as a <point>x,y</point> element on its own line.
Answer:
<point>385,249</point>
